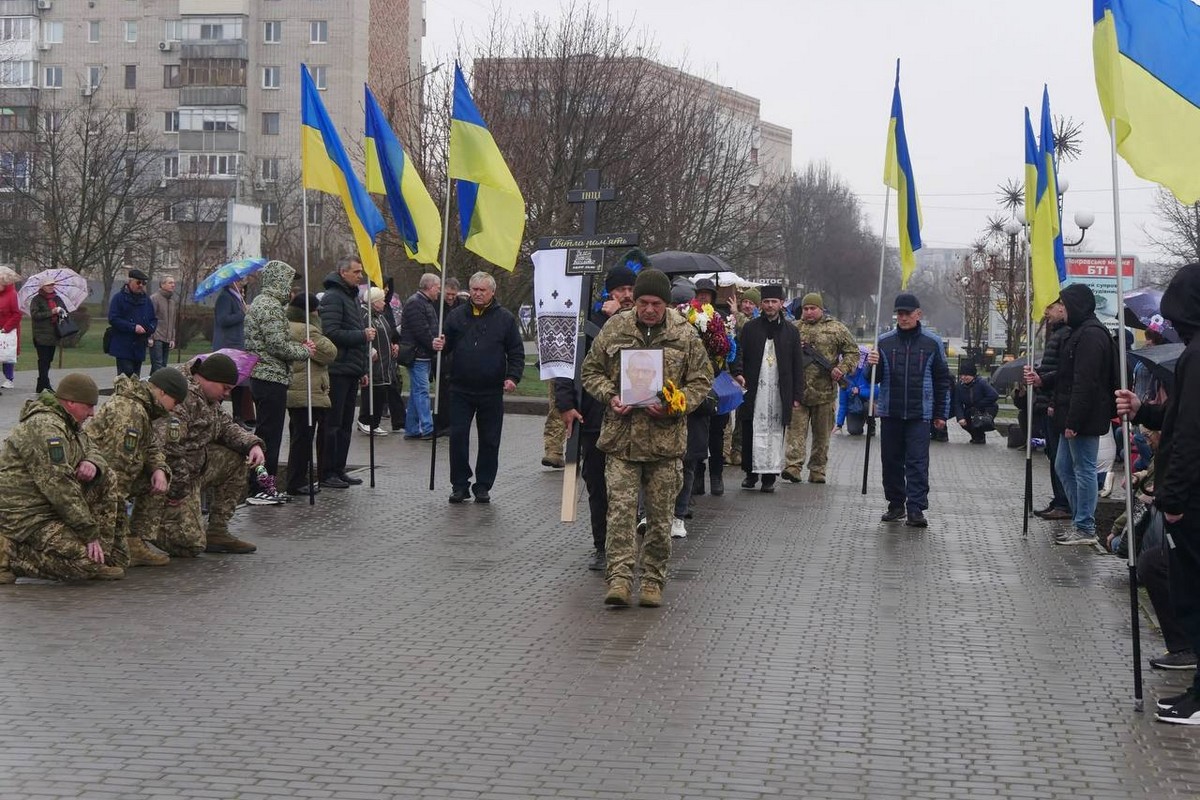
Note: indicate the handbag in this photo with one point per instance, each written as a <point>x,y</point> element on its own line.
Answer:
<point>407,355</point>
<point>729,394</point>
<point>106,342</point>
<point>66,327</point>
<point>8,347</point>
<point>982,421</point>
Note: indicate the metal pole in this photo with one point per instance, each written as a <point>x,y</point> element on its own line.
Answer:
<point>887,196</point>
<point>314,449</point>
<point>1028,389</point>
<point>371,385</point>
<point>433,395</point>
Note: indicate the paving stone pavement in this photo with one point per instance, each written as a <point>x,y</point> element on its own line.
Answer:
<point>383,643</point>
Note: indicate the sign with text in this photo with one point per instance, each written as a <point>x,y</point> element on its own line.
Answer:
<point>585,261</point>
<point>1099,273</point>
<point>585,240</point>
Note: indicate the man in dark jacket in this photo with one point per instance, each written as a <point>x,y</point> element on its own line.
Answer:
<point>131,317</point>
<point>489,360</point>
<point>418,328</point>
<point>1177,481</point>
<point>758,366</point>
<point>342,324</point>
<point>1043,408</point>
<point>590,414</point>
<point>914,391</point>
<point>975,400</point>
<point>1083,408</point>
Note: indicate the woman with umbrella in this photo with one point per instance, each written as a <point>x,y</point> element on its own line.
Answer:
<point>46,309</point>
<point>10,318</point>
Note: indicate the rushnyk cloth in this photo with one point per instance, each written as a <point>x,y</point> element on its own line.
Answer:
<point>556,303</point>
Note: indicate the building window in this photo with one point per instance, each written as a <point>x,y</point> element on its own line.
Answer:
<point>171,76</point>
<point>268,170</point>
<point>130,168</point>
<point>130,26</point>
<point>270,214</point>
<point>318,31</point>
<point>171,167</point>
<point>95,76</point>
<point>173,30</point>
<point>131,121</point>
<point>273,31</point>
<point>215,72</point>
<point>210,119</point>
<point>94,31</point>
<point>170,122</point>
<point>16,73</point>
<point>52,78</point>
<point>16,29</point>
<point>212,29</point>
<point>16,119</point>
<point>217,165</point>
<point>314,213</point>
<point>168,213</point>
<point>52,121</point>
<point>14,171</point>
<point>270,123</point>
<point>131,76</point>
<point>52,32</point>
<point>318,76</point>
<point>270,77</point>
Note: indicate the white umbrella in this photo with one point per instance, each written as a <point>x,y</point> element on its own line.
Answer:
<point>69,285</point>
<point>728,279</point>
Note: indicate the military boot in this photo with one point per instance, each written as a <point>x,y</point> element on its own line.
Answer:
<point>106,573</point>
<point>144,554</point>
<point>6,574</point>
<point>651,595</point>
<point>716,475</point>
<point>618,593</point>
<point>224,543</point>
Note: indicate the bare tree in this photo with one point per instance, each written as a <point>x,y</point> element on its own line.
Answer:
<point>1177,232</point>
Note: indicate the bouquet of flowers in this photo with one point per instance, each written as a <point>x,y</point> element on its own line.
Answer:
<point>711,327</point>
<point>673,399</point>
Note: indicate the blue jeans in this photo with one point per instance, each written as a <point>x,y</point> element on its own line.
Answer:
<point>1076,468</point>
<point>159,355</point>
<point>418,418</point>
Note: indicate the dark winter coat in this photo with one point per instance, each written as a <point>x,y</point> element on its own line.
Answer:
<point>1057,335</point>
<point>342,324</point>
<point>419,324</point>
<point>1177,481</point>
<point>1083,384</point>
<point>44,319</point>
<point>978,397</point>
<point>126,311</point>
<point>748,364</point>
<point>229,317</point>
<point>487,348</point>
<point>914,379</point>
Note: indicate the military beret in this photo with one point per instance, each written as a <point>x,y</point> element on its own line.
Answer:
<point>171,381</point>
<point>78,388</point>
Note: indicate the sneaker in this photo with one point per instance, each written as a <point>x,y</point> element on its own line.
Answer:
<point>265,499</point>
<point>916,519</point>
<point>1185,712</point>
<point>1180,660</point>
<point>1171,701</point>
<point>893,515</point>
<point>7,384</point>
<point>790,477</point>
<point>334,482</point>
<point>650,595</point>
<point>459,496</point>
<point>362,428</point>
<point>618,594</point>
<point>643,523</point>
<point>380,432</point>
<point>678,529</point>
<point>1075,537</point>
<point>598,561</point>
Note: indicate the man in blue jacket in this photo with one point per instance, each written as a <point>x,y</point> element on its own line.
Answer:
<point>914,389</point>
<point>489,359</point>
<point>131,317</point>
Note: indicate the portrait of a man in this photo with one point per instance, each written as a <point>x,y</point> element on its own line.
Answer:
<point>641,376</point>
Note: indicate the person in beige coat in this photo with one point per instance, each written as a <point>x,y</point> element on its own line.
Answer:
<point>300,432</point>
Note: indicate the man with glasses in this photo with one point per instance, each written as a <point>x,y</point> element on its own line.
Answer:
<point>132,319</point>
<point>914,389</point>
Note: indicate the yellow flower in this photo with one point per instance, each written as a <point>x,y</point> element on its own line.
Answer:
<point>673,398</point>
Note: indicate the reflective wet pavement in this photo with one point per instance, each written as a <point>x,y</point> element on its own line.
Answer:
<point>386,644</point>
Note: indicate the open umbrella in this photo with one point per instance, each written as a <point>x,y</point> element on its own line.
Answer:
<point>69,285</point>
<point>227,274</point>
<point>1008,374</point>
<point>1142,312</point>
<point>245,362</point>
<point>1160,360</point>
<point>675,262</point>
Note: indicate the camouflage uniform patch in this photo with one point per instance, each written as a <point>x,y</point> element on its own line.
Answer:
<point>56,450</point>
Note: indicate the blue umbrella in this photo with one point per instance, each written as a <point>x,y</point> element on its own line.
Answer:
<point>227,274</point>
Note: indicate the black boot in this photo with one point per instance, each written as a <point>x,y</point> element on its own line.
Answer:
<point>716,467</point>
<point>698,481</point>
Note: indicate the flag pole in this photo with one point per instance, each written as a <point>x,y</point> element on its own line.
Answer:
<point>441,321</point>
<point>887,196</point>
<point>1028,509</point>
<point>371,382</point>
<point>1134,622</point>
<point>313,449</point>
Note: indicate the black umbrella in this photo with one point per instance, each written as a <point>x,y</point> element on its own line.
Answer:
<point>1008,374</point>
<point>1160,360</point>
<point>678,262</point>
<point>1142,312</point>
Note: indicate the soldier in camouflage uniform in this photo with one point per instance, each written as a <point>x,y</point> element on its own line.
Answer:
<point>52,486</point>
<point>205,449</point>
<point>644,445</point>
<point>123,434</point>
<point>554,435</point>
<point>831,340</point>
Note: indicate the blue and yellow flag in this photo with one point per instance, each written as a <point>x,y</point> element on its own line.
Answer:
<point>1148,77</point>
<point>390,171</point>
<point>491,209</point>
<point>898,174</point>
<point>324,166</point>
<point>1046,227</point>
<point>1031,169</point>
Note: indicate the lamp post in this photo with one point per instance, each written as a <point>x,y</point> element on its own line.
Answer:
<point>391,96</point>
<point>1083,219</point>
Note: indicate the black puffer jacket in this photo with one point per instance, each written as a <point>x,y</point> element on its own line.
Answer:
<point>419,324</point>
<point>342,324</point>
<point>1057,335</point>
<point>1084,383</point>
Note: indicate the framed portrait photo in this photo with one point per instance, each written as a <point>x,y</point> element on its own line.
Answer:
<point>641,376</point>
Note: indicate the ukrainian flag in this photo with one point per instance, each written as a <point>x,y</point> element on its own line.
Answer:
<point>491,209</point>
<point>898,174</point>
<point>391,172</point>
<point>1046,225</point>
<point>1147,57</point>
<point>324,166</point>
<point>1031,169</point>
<point>1047,155</point>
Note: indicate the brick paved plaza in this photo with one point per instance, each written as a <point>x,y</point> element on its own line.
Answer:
<point>386,644</point>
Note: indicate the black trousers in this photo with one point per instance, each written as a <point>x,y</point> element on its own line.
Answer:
<point>1154,572</point>
<point>1060,495</point>
<point>343,391</point>
<point>374,397</point>
<point>592,460</point>
<point>1185,581</point>
<point>45,357</point>
<point>487,410</point>
<point>300,445</point>
<point>904,451</point>
<point>270,402</point>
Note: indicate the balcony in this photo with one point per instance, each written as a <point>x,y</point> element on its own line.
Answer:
<point>212,96</point>
<point>234,48</point>
<point>15,97</point>
<point>18,8</point>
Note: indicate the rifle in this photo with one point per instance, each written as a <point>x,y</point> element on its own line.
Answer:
<point>821,361</point>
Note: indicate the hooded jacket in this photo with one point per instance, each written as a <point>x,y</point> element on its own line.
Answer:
<point>1084,382</point>
<point>267,332</point>
<point>341,321</point>
<point>1177,481</point>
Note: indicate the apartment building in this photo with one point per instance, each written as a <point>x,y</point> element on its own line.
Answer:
<point>218,80</point>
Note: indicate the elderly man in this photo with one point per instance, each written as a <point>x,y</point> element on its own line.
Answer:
<point>489,360</point>
<point>418,327</point>
<point>644,445</point>
<point>205,449</point>
<point>829,353</point>
<point>166,311</point>
<point>53,489</point>
<point>342,324</point>
<point>132,320</point>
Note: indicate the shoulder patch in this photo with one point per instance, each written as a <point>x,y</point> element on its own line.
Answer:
<point>174,433</point>
<point>56,449</point>
<point>132,435</point>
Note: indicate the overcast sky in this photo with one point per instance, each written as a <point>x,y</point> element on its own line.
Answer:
<point>825,69</point>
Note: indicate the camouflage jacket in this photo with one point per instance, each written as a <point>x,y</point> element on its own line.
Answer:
<point>37,473</point>
<point>186,434</point>
<point>638,436</point>
<point>833,341</point>
<point>122,432</point>
<point>267,332</point>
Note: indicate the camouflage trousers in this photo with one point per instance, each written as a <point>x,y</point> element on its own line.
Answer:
<point>54,551</point>
<point>115,522</point>
<point>819,420</point>
<point>554,432</point>
<point>733,440</point>
<point>660,482</point>
<point>179,530</point>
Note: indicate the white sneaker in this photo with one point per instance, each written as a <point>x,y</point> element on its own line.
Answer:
<point>264,499</point>
<point>7,384</point>
<point>678,529</point>
<point>363,428</point>
<point>380,432</point>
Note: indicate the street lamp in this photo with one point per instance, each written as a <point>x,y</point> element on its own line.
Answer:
<point>1083,219</point>
<point>391,98</point>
